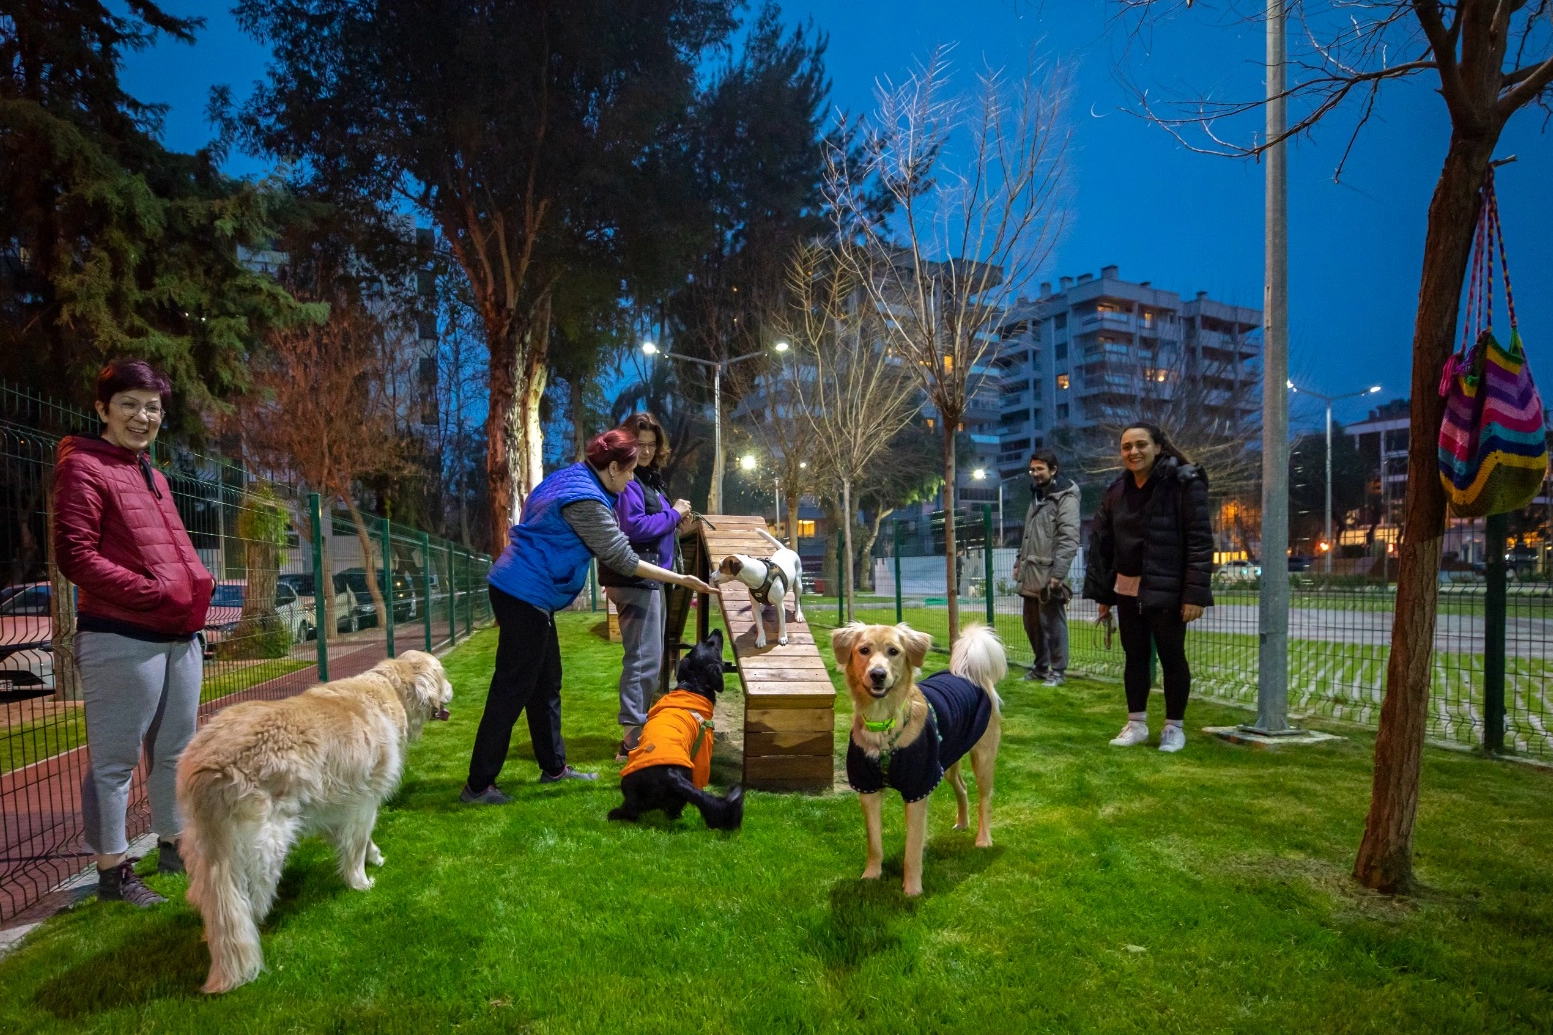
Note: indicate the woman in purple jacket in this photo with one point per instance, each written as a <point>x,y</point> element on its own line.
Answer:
<point>651,523</point>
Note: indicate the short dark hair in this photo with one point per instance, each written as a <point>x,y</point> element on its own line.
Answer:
<point>131,375</point>
<point>1045,456</point>
<point>612,447</point>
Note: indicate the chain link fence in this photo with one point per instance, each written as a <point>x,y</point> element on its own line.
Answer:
<point>269,632</point>
<point>1339,632</point>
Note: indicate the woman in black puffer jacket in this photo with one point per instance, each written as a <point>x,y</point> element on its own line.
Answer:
<point>1151,559</point>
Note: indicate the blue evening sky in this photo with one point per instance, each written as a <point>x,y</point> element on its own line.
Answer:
<point>1135,197</point>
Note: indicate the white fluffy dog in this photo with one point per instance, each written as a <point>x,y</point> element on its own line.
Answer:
<point>262,774</point>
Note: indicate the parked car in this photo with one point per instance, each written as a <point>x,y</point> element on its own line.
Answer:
<point>226,609</point>
<point>1232,572</point>
<point>1299,563</point>
<point>405,603</point>
<point>347,609</point>
<point>26,632</point>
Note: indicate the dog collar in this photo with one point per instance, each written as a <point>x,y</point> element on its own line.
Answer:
<point>879,727</point>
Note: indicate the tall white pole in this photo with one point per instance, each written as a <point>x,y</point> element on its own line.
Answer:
<point>715,503</point>
<point>1328,513</point>
<point>1272,696</point>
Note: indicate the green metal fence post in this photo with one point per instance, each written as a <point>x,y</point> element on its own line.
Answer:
<point>426,586</point>
<point>986,555</point>
<point>469,594</point>
<point>593,582</point>
<point>900,615</point>
<point>1496,532</point>
<point>452,597</point>
<point>388,583</point>
<point>320,587</point>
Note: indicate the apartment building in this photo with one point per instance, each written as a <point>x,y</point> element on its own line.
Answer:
<point>1085,356</point>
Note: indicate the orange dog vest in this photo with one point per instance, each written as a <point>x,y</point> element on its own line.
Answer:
<point>678,732</point>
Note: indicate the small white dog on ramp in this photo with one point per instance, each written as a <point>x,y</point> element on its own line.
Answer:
<point>261,774</point>
<point>768,579</point>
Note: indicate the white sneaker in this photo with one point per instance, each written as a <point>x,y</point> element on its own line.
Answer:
<point>1172,738</point>
<point>1135,732</point>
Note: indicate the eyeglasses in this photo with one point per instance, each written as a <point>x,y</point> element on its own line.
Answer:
<point>152,411</point>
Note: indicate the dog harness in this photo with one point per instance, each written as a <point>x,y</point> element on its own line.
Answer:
<point>762,592</point>
<point>678,732</point>
<point>958,713</point>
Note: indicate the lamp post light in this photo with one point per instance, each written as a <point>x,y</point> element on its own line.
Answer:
<point>980,474</point>
<point>715,496</point>
<point>1327,511</point>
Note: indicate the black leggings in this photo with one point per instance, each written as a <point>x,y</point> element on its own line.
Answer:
<point>527,677</point>
<point>1164,626</point>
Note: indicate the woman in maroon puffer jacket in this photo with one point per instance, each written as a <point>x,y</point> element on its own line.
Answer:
<point>141,601</point>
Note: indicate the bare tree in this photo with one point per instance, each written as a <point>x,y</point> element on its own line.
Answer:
<point>973,226</point>
<point>1490,58</point>
<point>321,409</point>
<point>772,412</point>
<point>853,393</point>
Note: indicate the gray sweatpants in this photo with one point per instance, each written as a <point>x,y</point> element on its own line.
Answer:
<point>138,696</point>
<point>641,629</point>
<point>1046,626</point>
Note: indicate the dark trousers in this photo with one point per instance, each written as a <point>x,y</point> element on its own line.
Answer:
<point>527,676</point>
<point>1046,627</point>
<point>1162,626</point>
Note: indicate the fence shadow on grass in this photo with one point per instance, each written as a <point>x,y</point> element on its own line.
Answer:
<point>162,958</point>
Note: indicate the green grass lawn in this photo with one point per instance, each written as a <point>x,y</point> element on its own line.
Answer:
<point>1129,891</point>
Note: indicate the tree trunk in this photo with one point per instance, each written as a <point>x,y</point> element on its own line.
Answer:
<point>1385,860</point>
<point>792,521</point>
<point>534,375</point>
<point>500,421</point>
<point>950,560</point>
<point>846,532</point>
<point>369,557</point>
<point>869,539</point>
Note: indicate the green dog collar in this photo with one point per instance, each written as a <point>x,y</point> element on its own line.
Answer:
<point>879,727</point>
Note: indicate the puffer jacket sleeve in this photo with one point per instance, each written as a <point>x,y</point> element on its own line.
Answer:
<point>78,515</point>
<point>1100,562</point>
<point>1065,542</point>
<point>1198,586</point>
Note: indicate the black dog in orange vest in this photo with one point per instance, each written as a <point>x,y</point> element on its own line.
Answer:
<point>671,764</point>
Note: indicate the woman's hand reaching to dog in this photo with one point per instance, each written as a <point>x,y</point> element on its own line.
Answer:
<point>673,578</point>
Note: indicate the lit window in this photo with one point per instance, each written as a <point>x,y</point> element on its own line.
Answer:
<point>806,528</point>
<point>1062,382</point>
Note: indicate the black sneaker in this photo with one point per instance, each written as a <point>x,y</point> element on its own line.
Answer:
<point>622,752</point>
<point>489,796</point>
<point>122,884</point>
<point>168,861</point>
<point>1032,675</point>
<point>566,773</point>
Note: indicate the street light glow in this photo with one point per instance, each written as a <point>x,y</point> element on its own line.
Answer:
<point>782,346</point>
<point>803,465</point>
<point>747,461</point>
<point>1375,389</point>
<point>979,474</point>
<point>649,348</point>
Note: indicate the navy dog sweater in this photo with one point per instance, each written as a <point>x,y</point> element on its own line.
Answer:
<point>958,713</point>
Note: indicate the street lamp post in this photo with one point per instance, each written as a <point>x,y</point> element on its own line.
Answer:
<point>1326,526</point>
<point>715,496</point>
<point>980,474</point>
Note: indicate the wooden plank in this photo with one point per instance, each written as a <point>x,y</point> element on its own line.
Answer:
<point>806,742</point>
<point>788,720</point>
<point>790,687</point>
<point>791,786</point>
<point>788,767</point>
<point>614,623</point>
<point>789,699</point>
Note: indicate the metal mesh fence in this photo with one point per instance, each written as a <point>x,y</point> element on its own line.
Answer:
<point>1339,633</point>
<point>269,632</point>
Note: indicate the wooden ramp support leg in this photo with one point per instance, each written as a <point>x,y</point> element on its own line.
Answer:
<point>789,700</point>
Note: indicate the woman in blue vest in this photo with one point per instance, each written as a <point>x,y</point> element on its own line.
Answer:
<point>568,518</point>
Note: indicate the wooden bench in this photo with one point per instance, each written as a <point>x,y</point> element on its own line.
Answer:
<point>789,700</point>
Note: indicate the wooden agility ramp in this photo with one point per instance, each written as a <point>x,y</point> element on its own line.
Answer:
<point>789,700</point>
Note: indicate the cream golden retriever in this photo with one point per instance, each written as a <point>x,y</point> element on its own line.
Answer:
<point>908,734</point>
<point>262,774</point>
